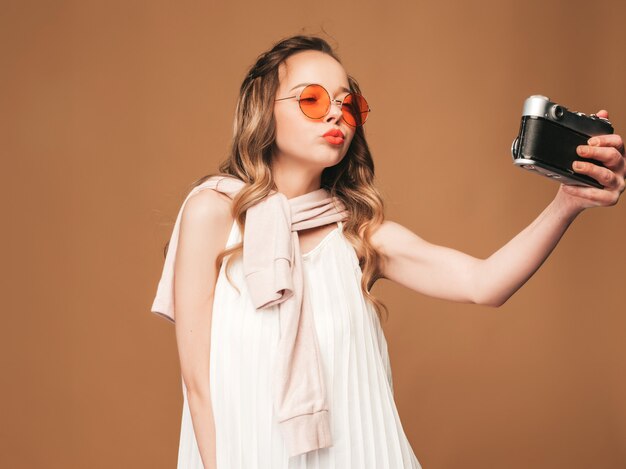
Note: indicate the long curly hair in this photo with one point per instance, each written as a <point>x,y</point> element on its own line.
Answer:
<point>252,147</point>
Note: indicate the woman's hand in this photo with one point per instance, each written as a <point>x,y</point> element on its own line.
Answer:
<point>608,149</point>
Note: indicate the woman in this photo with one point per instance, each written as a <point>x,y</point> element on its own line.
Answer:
<point>283,360</point>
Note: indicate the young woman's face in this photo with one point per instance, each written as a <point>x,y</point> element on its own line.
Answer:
<point>298,137</point>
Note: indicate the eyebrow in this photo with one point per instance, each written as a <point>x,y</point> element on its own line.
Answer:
<point>342,88</point>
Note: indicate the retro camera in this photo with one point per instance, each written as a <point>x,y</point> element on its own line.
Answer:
<point>548,136</point>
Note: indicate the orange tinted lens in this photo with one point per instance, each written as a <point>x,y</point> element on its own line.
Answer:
<point>355,109</point>
<point>314,101</point>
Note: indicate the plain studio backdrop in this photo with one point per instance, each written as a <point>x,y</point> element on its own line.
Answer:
<point>110,109</point>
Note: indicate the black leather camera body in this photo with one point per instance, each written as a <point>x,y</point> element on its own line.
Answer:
<point>548,136</point>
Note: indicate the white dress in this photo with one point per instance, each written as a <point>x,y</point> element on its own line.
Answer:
<point>365,425</point>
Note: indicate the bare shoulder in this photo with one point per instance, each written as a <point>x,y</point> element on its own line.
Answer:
<point>389,235</point>
<point>208,213</point>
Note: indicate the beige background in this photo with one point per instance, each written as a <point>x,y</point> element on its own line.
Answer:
<point>111,108</point>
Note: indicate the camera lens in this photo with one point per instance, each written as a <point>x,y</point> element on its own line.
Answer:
<point>515,148</point>
<point>556,112</point>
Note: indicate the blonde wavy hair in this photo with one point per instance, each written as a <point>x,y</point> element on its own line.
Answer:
<point>254,143</point>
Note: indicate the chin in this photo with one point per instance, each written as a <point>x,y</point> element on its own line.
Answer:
<point>334,160</point>
<point>330,156</point>
<point>323,157</point>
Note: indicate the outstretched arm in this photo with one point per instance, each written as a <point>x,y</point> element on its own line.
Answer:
<point>505,271</point>
<point>446,273</point>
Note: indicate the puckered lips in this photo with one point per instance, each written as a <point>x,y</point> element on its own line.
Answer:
<point>334,136</point>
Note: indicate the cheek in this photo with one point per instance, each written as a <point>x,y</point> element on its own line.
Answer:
<point>284,122</point>
<point>286,135</point>
<point>292,131</point>
<point>288,127</point>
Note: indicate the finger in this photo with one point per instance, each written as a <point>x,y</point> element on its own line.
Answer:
<point>604,176</point>
<point>608,140</point>
<point>599,196</point>
<point>610,156</point>
<point>603,113</point>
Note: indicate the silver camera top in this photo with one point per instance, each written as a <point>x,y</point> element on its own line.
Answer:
<point>541,106</point>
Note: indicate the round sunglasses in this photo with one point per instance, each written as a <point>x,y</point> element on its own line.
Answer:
<point>314,102</point>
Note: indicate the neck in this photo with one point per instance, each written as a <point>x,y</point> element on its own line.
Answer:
<point>294,180</point>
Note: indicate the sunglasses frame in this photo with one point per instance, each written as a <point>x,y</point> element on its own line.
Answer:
<point>331,101</point>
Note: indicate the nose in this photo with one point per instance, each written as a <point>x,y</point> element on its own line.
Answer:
<point>335,110</point>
